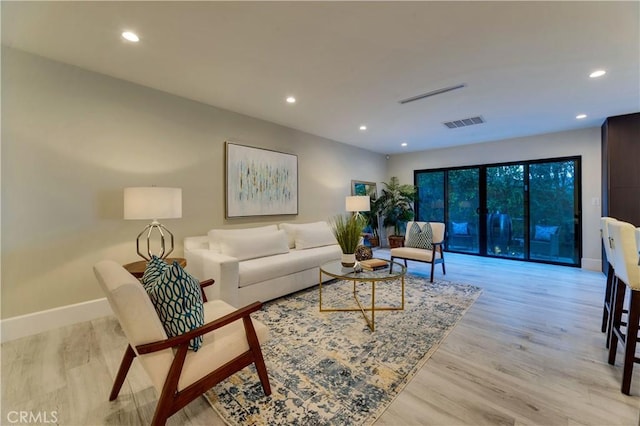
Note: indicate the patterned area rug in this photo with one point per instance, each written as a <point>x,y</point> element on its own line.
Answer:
<point>328,368</point>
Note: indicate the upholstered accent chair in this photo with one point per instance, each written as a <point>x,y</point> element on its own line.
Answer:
<point>545,241</point>
<point>231,342</point>
<point>462,236</point>
<point>433,256</point>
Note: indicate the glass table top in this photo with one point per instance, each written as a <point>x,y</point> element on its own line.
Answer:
<point>335,269</point>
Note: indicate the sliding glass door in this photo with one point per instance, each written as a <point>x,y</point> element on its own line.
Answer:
<point>430,196</point>
<point>462,210</point>
<point>505,211</point>
<point>526,210</point>
<point>554,211</point>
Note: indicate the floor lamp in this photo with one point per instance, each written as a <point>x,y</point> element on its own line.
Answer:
<point>153,203</point>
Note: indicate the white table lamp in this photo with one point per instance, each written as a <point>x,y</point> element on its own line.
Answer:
<point>153,203</point>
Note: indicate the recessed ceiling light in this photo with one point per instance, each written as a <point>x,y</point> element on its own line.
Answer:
<point>403,144</point>
<point>128,35</point>
<point>581,116</point>
<point>598,73</point>
<point>291,100</point>
<point>363,127</point>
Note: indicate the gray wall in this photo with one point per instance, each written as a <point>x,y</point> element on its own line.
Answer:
<point>585,142</point>
<point>73,139</point>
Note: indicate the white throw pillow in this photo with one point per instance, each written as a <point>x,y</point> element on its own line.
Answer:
<point>311,237</point>
<point>291,228</point>
<point>215,235</point>
<point>262,244</point>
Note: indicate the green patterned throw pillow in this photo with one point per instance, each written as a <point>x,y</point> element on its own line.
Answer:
<point>420,238</point>
<point>178,301</point>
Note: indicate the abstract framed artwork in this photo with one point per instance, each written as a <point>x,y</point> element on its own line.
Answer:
<point>260,182</point>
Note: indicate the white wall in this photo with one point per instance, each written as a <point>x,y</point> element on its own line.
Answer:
<point>73,139</point>
<point>585,142</point>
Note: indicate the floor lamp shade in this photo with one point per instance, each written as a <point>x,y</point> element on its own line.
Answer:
<point>144,203</point>
<point>358,203</point>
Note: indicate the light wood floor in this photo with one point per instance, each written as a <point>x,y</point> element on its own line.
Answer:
<point>529,351</point>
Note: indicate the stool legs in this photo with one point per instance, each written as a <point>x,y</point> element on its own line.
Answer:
<point>614,332</point>
<point>607,309</point>
<point>607,295</point>
<point>629,340</point>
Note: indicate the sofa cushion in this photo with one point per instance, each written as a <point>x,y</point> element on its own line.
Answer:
<point>177,299</point>
<point>414,253</point>
<point>251,246</point>
<point>291,228</point>
<point>130,303</point>
<point>461,228</point>
<point>544,233</point>
<point>215,235</point>
<point>317,236</point>
<point>220,346</point>
<point>266,268</point>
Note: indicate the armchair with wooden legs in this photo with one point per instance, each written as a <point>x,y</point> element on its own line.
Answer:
<point>433,256</point>
<point>231,342</point>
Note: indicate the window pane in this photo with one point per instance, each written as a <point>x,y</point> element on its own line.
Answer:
<point>430,207</point>
<point>553,212</point>
<point>505,207</point>
<point>462,207</point>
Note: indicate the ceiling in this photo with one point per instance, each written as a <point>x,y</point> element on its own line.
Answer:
<point>525,65</point>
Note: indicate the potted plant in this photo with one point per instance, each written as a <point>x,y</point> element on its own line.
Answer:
<point>347,229</point>
<point>395,204</point>
<point>372,226</point>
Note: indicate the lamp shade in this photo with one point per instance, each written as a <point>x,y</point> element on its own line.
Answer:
<point>358,203</point>
<point>152,203</point>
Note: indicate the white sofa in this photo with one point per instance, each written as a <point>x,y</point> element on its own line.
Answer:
<point>260,263</point>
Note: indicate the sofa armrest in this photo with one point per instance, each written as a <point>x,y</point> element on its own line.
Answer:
<point>206,264</point>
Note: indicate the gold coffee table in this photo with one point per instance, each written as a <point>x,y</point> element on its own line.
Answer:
<point>336,270</point>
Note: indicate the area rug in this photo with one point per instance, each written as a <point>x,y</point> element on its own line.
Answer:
<point>328,368</point>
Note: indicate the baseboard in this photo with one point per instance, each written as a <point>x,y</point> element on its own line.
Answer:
<point>592,264</point>
<point>37,322</point>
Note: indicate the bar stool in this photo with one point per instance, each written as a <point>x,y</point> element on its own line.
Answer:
<point>608,292</point>
<point>627,271</point>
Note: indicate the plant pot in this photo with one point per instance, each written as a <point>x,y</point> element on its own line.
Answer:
<point>348,260</point>
<point>396,241</point>
<point>374,241</point>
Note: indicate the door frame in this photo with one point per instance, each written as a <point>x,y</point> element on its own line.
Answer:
<point>482,201</point>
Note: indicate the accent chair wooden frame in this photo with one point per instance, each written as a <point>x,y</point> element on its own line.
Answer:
<point>420,255</point>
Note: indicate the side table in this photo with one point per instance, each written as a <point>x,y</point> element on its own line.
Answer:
<point>137,268</point>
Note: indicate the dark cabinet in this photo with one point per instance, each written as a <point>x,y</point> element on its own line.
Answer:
<point>621,168</point>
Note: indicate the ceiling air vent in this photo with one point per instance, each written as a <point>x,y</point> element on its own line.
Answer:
<point>464,122</point>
